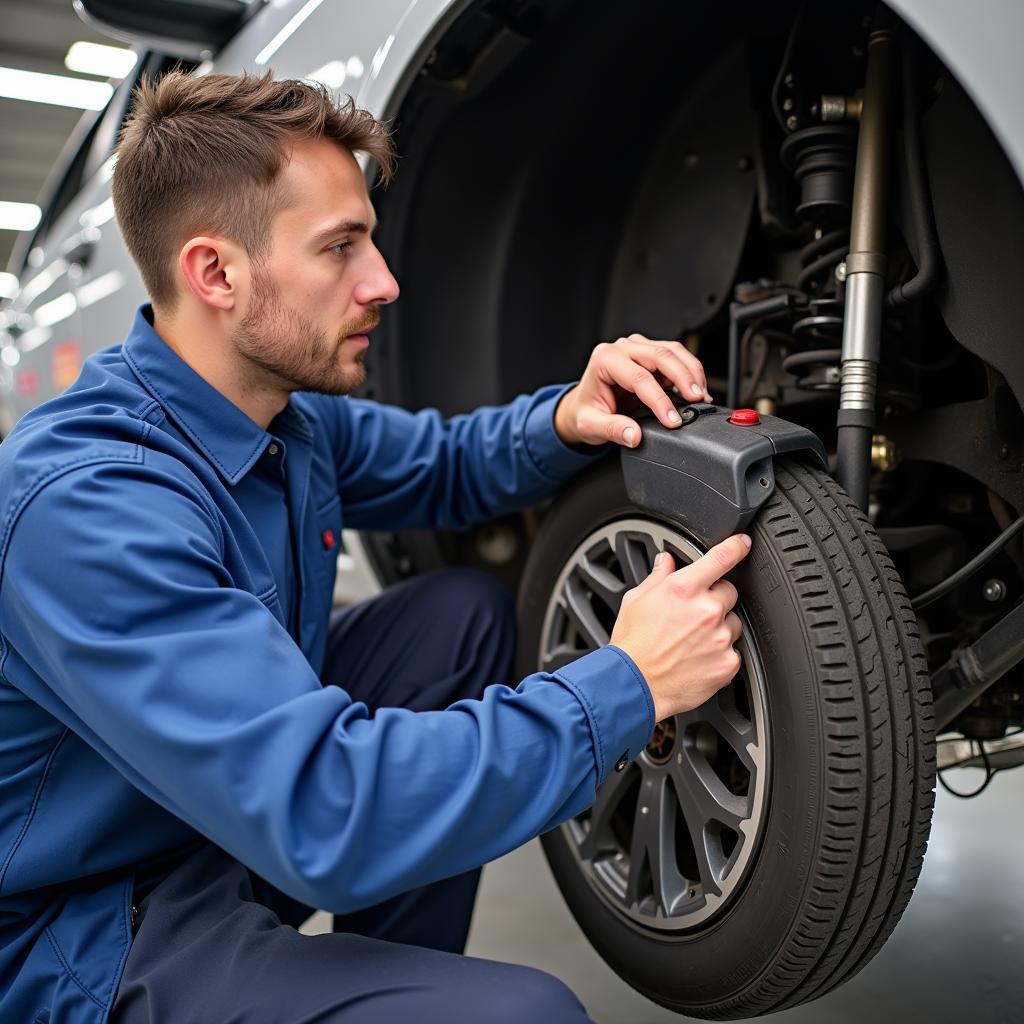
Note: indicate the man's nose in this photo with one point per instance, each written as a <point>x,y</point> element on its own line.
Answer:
<point>378,286</point>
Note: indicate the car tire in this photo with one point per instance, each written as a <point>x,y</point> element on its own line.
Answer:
<point>841,746</point>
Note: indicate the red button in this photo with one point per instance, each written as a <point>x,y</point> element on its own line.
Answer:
<point>745,417</point>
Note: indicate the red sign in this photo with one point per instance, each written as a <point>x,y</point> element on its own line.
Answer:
<point>67,361</point>
<point>28,383</point>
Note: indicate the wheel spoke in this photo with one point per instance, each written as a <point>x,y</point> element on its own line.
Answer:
<point>602,582</point>
<point>581,613</point>
<point>720,713</point>
<point>704,800</point>
<point>653,843</point>
<point>609,795</point>
<point>635,552</point>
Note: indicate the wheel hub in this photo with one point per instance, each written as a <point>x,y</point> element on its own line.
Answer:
<point>659,750</point>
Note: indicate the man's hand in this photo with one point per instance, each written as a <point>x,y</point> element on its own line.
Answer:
<point>679,628</point>
<point>622,377</point>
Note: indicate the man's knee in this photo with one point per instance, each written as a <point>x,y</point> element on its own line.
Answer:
<point>485,607</point>
<point>474,589</point>
<point>534,996</point>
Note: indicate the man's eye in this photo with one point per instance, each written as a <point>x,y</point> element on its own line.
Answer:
<point>340,248</point>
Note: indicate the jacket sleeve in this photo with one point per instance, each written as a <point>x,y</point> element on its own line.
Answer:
<point>403,470</point>
<point>118,615</point>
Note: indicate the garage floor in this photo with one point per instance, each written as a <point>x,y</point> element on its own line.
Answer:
<point>956,956</point>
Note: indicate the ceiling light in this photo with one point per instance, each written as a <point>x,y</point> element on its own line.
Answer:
<point>96,59</point>
<point>19,216</point>
<point>8,286</point>
<point>55,310</point>
<point>60,90</point>
<point>100,288</point>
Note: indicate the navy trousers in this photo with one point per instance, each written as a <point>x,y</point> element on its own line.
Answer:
<point>217,944</point>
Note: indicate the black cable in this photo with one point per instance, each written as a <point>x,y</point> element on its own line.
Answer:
<point>929,257</point>
<point>943,588</point>
<point>990,774</point>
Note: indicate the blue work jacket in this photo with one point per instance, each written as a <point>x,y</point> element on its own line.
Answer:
<point>156,693</point>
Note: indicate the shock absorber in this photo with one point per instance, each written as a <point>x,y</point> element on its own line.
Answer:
<point>865,269</point>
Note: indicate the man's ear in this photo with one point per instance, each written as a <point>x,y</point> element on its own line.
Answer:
<point>215,270</point>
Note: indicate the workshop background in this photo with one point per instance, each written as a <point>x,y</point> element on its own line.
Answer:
<point>956,954</point>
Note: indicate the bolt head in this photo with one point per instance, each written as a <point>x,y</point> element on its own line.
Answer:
<point>994,590</point>
<point>792,122</point>
<point>841,271</point>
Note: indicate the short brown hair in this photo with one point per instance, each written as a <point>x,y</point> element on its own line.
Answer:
<point>202,155</point>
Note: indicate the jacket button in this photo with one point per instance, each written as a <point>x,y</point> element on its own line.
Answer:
<point>620,765</point>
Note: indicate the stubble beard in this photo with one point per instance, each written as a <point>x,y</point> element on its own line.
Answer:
<point>284,346</point>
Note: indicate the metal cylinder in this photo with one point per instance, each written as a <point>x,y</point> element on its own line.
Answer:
<point>865,269</point>
<point>867,231</point>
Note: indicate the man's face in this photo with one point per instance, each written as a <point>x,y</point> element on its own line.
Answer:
<point>316,297</point>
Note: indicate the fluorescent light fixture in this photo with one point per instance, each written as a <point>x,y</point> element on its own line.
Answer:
<point>97,215</point>
<point>96,59</point>
<point>8,286</point>
<point>103,286</point>
<point>34,338</point>
<point>19,216</point>
<point>59,90</point>
<point>43,280</point>
<point>282,37</point>
<point>55,310</point>
<point>10,355</point>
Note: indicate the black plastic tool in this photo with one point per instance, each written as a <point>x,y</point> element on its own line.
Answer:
<point>713,473</point>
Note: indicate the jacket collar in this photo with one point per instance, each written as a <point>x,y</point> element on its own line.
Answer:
<point>223,433</point>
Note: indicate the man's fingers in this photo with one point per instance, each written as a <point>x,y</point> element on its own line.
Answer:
<point>726,593</point>
<point>687,372</point>
<point>620,429</point>
<point>719,560</point>
<point>664,565</point>
<point>633,366</point>
<point>637,376</point>
<point>734,625</point>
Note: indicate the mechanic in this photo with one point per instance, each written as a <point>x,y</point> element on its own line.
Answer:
<point>195,751</point>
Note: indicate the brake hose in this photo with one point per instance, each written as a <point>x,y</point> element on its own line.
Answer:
<point>943,588</point>
<point>929,257</point>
